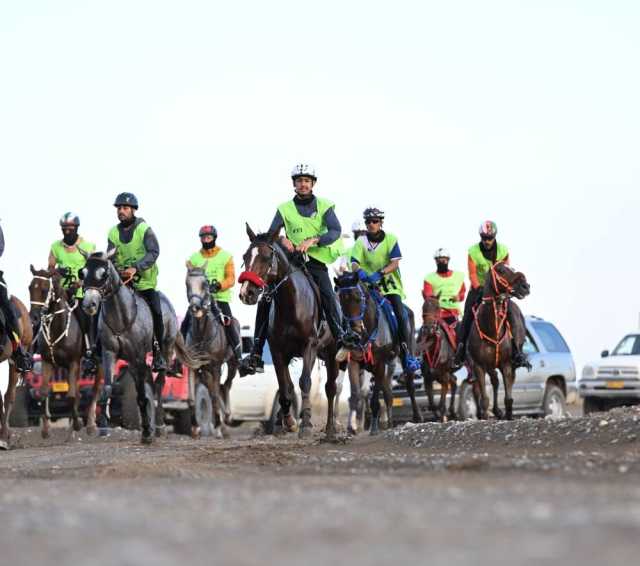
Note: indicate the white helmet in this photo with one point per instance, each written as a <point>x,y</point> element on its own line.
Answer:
<point>441,252</point>
<point>303,170</point>
<point>358,226</point>
<point>70,218</point>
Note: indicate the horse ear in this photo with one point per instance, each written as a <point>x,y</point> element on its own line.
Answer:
<point>250,232</point>
<point>274,236</point>
<point>84,254</point>
<point>111,253</point>
<point>33,271</point>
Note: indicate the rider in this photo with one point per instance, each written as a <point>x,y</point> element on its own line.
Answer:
<point>482,256</point>
<point>221,276</point>
<point>311,227</point>
<point>137,251</point>
<point>20,356</point>
<point>447,285</point>
<point>65,256</point>
<point>358,229</point>
<point>375,258</point>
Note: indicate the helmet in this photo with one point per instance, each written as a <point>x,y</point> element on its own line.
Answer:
<point>126,199</point>
<point>489,229</point>
<point>373,212</point>
<point>70,218</point>
<point>303,170</point>
<point>208,230</point>
<point>358,226</point>
<point>441,252</point>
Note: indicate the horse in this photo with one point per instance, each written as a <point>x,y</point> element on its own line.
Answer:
<point>295,328</point>
<point>6,351</point>
<point>437,357</point>
<point>374,348</point>
<point>59,342</point>
<point>489,344</point>
<point>206,336</point>
<point>125,331</point>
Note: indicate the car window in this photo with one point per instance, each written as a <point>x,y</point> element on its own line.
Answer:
<point>552,340</point>
<point>266,354</point>
<point>529,346</point>
<point>629,346</point>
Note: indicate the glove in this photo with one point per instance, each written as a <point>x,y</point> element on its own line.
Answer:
<point>374,277</point>
<point>362,275</point>
<point>215,286</point>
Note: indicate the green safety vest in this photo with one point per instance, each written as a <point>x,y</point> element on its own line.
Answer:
<point>299,228</point>
<point>127,255</point>
<point>74,261</point>
<point>375,260</point>
<point>483,265</point>
<point>214,270</point>
<point>446,288</point>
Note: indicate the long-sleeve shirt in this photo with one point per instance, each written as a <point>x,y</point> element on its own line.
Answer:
<point>334,230</point>
<point>150,241</point>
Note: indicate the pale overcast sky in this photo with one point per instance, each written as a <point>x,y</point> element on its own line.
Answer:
<point>442,113</point>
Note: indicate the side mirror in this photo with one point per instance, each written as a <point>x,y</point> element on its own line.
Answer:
<point>604,354</point>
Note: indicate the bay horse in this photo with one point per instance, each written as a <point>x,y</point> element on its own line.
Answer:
<point>437,354</point>
<point>490,340</point>
<point>59,343</point>
<point>125,331</point>
<point>295,330</point>
<point>6,351</point>
<point>207,337</point>
<point>373,348</point>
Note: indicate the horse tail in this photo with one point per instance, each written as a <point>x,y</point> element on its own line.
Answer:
<point>187,355</point>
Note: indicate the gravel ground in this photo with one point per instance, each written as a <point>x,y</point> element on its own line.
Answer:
<point>531,491</point>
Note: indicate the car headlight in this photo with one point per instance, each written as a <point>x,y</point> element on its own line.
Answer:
<point>588,372</point>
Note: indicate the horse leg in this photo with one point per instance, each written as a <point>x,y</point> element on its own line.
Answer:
<point>428,387</point>
<point>95,394</point>
<point>104,387</point>
<point>285,391</point>
<point>9,400</point>
<point>495,385</point>
<point>232,368</point>
<point>47,371</point>
<point>141,377</point>
<point>375,407</point>
<point>74,395</point>
<point>308,360</point>
<point>355,399</point>
<point>452,403</point>
<point>158,386</point>
<point>508,377</point>
<point>330,390</point>
<point>444,389</point>
<point>417,415</point>
<point>479,392</point>
<point>218,404</point>
<point>339,383</point>
<point>202,375</point>
<point>4,433</point>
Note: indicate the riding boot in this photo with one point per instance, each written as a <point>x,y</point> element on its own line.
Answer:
<point>253,362</point>
<point>518,358</point>
<point>159,363</point>
<point>89,366</point>
<point>21,357</point>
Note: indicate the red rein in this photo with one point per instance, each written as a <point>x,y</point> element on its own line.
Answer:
<point>252,277</point>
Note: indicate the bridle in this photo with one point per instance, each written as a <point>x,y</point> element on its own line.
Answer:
<point>366,341</point>
<point>205,302</point>
<point>112,289</point>
<point>268,290</point>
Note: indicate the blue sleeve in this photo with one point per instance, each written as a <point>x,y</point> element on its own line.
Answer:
<point>334,230</point>
<point>277,223</point>
<point>395,252</point>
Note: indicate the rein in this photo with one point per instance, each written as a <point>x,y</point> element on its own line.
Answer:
<point>269,290</point>
<point>366,341</point>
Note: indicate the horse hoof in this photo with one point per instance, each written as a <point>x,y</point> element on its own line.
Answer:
<point>290,424</point>
<point>4,445</point>
<point>373,432</point>
<point>146,439</point>
<point>498,414</point>
<point>91,430</point>
<point>417,419</point>
<point>45,434</point>
<point>305,432</point>
<point>351,431</point>
<point>77,426</point>
<point>444,419</point>
<point>195,432</point>
<point>160,432</point>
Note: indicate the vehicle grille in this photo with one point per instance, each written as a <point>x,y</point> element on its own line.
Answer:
<point>609,372</point>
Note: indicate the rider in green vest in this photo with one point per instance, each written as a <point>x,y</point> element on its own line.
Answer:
<point>21,358</point>
<point>221,276</point>
<point>447,285</point>
<point>311,227</point>
<point>343,264</point>
<point>66,256</point>
<point>375,258</point>
<point>136,253</point>
<point>482,256</point>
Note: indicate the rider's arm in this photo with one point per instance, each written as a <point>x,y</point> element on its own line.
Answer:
<point>427,290</point>
<point>473,274</point>
<point>334,230</point>
<point>506,259</point>
<point>394,260</point>
<point>229,276</point>
<point>52,261</point>
<point>153,251</point>
<point>277,223</point>
<point>462,292</point>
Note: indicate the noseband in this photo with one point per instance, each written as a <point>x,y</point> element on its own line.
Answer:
<point>363,302</point>
<point>268,290</point>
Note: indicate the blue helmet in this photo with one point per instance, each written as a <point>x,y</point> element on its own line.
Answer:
<point>126,199</point>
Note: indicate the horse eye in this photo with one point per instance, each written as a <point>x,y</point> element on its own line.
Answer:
<point>100,272</point>
<point>83,272</point>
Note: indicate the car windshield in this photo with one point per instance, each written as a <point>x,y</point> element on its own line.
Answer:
<point>628,346</point>
<point>551,339</point>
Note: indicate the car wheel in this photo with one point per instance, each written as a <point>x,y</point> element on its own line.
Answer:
<point>467,408</point>
<point>19,417</point>
<point>554,403</point>
<point>591,405</point>
<point>182,421</point>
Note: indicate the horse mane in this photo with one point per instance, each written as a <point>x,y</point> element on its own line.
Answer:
<point>346,279</point>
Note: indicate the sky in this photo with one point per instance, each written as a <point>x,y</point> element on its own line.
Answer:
<point>444,114</point>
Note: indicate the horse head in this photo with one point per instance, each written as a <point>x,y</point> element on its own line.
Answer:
<point>198,292</point>
<point>42,293</point>
<point>430,315</point>
<point>506,280</point>
<point>265,263</point>
<point>99,280</point>
<point>353,300</point>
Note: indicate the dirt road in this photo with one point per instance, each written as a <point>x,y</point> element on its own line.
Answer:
<point>523,492</point>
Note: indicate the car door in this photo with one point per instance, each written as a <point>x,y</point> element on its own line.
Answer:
<point>526,389</point>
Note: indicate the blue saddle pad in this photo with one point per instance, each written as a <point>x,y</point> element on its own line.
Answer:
<point>387,308</point>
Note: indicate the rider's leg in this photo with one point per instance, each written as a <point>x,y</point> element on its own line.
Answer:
<point>409,362</point>
<point>253,362</point>
<point>463,329</point>
<point>20,356</point>
<point>328,299</point>
<point>89,365</point>
<point>230,330</point>
<point>518,331</point>
<point>153,300</point>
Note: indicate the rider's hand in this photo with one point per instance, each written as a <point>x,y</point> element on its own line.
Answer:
<point>362,275</point>
<point>374,277</point>
<point>215,286</point>
<point>129,273</point>
<point>287,244</point>
<point>306,244</point>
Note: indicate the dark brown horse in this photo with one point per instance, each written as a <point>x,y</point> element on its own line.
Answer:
<point>294,329</point>
<point>59,342</point>
<point>373,349</point>
<point>490,341</point>
<point>437,358</point>
<point>26,336</point>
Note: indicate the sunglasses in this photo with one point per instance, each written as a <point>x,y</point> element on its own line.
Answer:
<point>487,238</point>
<point>372,221</point>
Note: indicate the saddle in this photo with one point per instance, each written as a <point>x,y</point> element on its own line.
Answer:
<point>386,307</point>
<point>449,331</point>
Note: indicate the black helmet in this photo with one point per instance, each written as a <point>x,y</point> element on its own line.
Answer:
<point>126,199</point>
<point>373,212</point>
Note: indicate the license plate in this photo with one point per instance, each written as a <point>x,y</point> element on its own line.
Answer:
<point>398,403</point>
<point>615,384</point>
<point>59,387</point>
